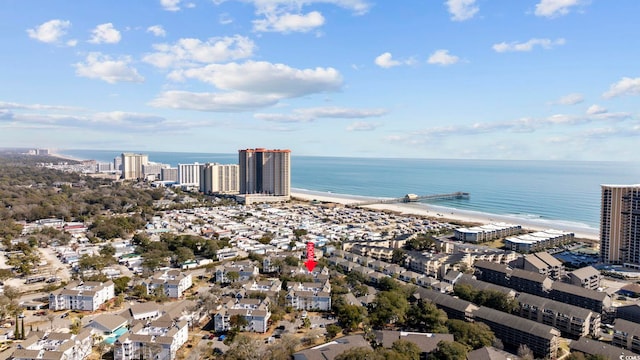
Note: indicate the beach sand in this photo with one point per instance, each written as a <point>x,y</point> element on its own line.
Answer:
<point>449,214</point>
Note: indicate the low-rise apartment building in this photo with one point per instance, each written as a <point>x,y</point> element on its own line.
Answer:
<point>587,277</point>
<point>159,339</point>
<point>571,320</point>
<point>310,296</point>
<point>254,311</point>
<point>54,345</point>
<point>626,335</point>
<point>173,283</point>
<point>242,270</point>
<point>87,295</point>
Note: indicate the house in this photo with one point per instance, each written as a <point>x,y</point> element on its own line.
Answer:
<point>159,339</point>
<point>173,283</point>
<point>87,295</point>
<point>107,325</point>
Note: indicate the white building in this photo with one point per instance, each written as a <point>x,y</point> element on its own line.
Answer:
<point>189,175</point>
<point>487,232</point>
<point>245,270</point>
<point>310,296</point>
<point>174,283</point>
<point>538,240</point>
<point>81,296</point>
<point>55,345</point>
<point>255,312</point>
<point>159,339</point>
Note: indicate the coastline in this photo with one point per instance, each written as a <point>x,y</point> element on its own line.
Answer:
<point>448,214</point>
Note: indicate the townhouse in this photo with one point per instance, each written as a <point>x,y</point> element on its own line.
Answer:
<point>54,345</point>
<point>158,339</point>
<point>309,296</point>
<point>172,282</point>
<point>254,311</point>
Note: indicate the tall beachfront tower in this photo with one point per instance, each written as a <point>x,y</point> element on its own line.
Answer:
<point>189,174</point>
<point>620,225</point>
<point>265,172</point>
<point>132,165</point>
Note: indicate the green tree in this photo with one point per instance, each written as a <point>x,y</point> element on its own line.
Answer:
<point>398,256</point>
<point>332,331</point>
<point>424,316</point>
<point>121,284</point>
<point>449,350</point>
<point>238,322</point>
<point>388,308</point>
<point>349,316</point>
<point>233,276</point>
<point>475,335</point>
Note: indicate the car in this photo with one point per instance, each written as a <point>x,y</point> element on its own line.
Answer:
<point>205,336</point>
<point>218,351</point>
<point>281,327</point>
<point>64,315</point>
<point>211,337</point>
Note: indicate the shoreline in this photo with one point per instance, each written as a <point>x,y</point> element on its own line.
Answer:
<point>449,214</point>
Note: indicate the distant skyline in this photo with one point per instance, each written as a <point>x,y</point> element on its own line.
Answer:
<point>464,79</point>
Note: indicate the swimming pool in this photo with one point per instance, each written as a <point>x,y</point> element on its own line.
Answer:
<point>115,335</point>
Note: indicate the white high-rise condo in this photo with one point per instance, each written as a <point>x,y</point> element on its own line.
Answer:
<point>132,165</point>
<point>189,174</point>
<point>620,225</point>
<point>266,172</point>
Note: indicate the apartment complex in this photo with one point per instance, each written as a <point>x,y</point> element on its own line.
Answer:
<point>217,178</point>
<point>620,225</point>
<point>266,172</point>
<point>81,296</point>
<point>478,234</point>
<point>173,283</point>
<point>132,166</point>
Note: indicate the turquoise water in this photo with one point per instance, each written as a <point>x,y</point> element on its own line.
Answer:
<point>559,191</point>
<point>115,335</point>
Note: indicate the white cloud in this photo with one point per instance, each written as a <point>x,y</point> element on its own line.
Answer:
<point>72,42</point>
<point>362,126</point>
<point>462,10</point>
<point>626,86</point>
<point>189,51</point>
<point>359,7</point>
<point>554,8</point>
<point>570,99</point>
<point>260,77</point>
<point>103,67</point>
<point>596,109</point>
<point>386,61</point>
<point>12,105</point>
<point>224,102</point>
<point>311,114</point>
<point>248,86</point>
<point>527,46</point>
<point>170,5</point>
<point>50,31</point>
<point>442,57</point>
<point>288,22</point>
<point>105,33</point>
<point>157,30</point>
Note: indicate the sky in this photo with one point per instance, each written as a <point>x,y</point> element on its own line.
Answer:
<point>463,79</point>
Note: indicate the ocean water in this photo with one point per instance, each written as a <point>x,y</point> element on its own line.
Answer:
<point>558,191</point>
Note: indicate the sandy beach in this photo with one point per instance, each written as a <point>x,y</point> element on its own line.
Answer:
<point>449,214</point>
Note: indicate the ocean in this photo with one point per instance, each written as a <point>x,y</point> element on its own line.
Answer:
<point>561,192</point>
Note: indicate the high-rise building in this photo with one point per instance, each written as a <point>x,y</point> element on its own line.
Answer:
<point>132,165</point>
<point>117,163</point>
<point>216,178</point>
<point>189,174</point>
<point>620,225</point>
<point>266,172</point>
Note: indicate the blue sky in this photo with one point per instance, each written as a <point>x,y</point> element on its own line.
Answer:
<point>486,79</point>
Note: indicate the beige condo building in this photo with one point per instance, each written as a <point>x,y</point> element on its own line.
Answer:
<point>620,225</point>
<point>132,165</point>
<point>217,178</point>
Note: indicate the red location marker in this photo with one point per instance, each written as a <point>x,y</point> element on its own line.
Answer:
<point>311,258</point>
